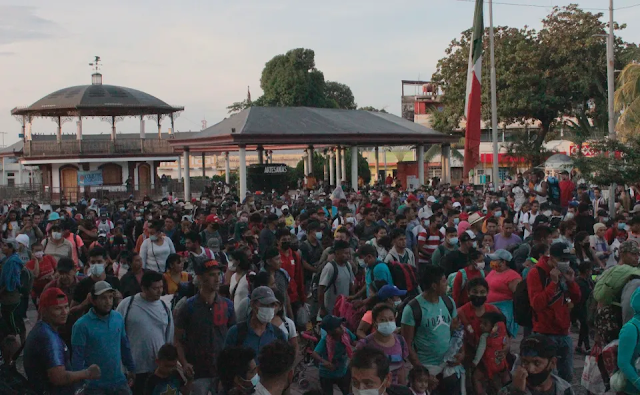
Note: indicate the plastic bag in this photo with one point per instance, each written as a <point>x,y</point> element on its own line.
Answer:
<point>591,376</point>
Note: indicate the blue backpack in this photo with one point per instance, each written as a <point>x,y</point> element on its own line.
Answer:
<point>553,189</point>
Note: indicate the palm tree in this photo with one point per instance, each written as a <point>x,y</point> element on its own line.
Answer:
<point>627,99</point>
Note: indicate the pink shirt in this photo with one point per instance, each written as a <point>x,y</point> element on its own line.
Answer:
<point>76,242</point>
<point>499,285</point>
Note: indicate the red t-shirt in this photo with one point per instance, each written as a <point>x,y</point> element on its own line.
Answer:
<point>459,293</point>
<point>566,192</point>
<point>468,318</point>
<point>291,263</point>
<point>47,268</point>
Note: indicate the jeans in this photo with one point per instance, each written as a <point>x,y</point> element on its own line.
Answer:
<point>13,322</point>
<point>203,386</point>
<point>564,353</point>
<point>120,390</point>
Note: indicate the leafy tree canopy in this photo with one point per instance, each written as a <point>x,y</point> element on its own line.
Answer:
<point>373,109</point>
<point>615,162</point>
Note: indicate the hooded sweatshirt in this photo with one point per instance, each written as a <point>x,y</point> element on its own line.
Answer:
<point>10,279</point>
<point>629,347</point>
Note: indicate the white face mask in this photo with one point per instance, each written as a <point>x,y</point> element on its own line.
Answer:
<point>387,328</point>
<point>56,235</point>
<point>372,391</point>
<point>97,269</point>
<point>480,265</point>
<point>38,254</point>
<point>265,314</point>
<point>564,266</point>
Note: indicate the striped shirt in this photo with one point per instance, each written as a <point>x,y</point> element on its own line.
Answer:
<point>428,241</point>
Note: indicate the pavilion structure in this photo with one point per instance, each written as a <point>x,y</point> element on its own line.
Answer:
<point>266,129</point>
<point>111,159</point>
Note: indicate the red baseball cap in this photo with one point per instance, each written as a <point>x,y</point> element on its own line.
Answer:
<point>212,218</point>
<point>53,297</point>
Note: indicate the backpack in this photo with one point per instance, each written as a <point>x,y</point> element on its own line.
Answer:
<point>404,276</point>
<point>416,310</point>
<point>334,276</point>
<point>452,278</point>
<point>522,310</point>
<point>610,284</point>
<point>553,189</point>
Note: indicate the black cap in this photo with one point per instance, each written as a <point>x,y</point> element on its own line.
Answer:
<point>560,250</point>
<point>331,322</point>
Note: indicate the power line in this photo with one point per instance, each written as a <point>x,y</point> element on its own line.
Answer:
<point>629,6</point>
<point>550,6</point>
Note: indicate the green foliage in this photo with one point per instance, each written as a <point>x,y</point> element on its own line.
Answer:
<point>238,106</point>
<point>373,109</point>
<point>560,70</point>
<point>622,168</point>
<point>233,177</point>
<point>318,167</point>
<point>627,100</point>
<point>363,166</point>
<point>340,95</point>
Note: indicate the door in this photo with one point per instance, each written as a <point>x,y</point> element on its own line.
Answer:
<point>144,179</point>
<point>69,183</point>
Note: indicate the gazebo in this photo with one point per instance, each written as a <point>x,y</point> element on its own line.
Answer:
<point>271,128</point>
<point>111,159</point>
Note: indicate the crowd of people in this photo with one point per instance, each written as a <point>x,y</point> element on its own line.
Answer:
<point>382,291</point>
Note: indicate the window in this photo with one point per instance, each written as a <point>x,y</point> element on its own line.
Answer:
<point>11,174</point>
<point>111,174</point>
<point>435,172</point>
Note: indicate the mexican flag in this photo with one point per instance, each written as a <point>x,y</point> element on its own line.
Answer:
<point>473,104</point>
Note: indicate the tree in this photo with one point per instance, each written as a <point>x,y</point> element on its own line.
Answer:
<point>373,109</point>
<point>363,166</point>
<point>615,162</point>
<point>318,167</point>
<point>627,100</point>
<point>340,94</point>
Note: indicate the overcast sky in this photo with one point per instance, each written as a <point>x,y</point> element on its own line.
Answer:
<point>202,54</point>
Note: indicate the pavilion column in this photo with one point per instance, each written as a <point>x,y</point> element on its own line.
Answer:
<point>227,168</point>
<point>305,163</point>
<point>28,130</point>
<point>204,168</point>
<point>332,168</point>
<point>338,166</point>
<point>78,133</point>
<point>141,133</point>
<point>187,176</point>
<point>326,167</point>
<point>446,163</point>
<point>260,155</point>
<point>354,167</point>
<point>179,168</point>
<point>113,128</point>
<point>159,127</point>
<point>420,157</point>
<point>310,158</point>
<point>377,155</point>
<point>172,124</point>
<point>59,136</point>
<point>343,164</point>
<point>242,152</point>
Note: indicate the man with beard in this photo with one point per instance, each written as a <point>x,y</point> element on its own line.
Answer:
<point>46,356</point>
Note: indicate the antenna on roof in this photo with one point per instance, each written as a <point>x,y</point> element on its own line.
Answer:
<point>96,77</point>
<point>204,124</point>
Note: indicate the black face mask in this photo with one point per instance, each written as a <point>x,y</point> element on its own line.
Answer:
<point>285,245</point>
<point>477,300</point>
<point>249,239</point>
<point>536,379</point>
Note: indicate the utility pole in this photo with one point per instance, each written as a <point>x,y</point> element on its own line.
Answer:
<point>610,93</point>
<point>3,133</point>
<point>494,101</point>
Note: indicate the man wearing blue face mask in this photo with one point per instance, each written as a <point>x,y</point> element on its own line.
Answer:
<point>96,271</point>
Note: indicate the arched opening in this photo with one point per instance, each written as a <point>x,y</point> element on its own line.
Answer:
<point>111,174</point>
<point>69,183</point>
<point>144,179</point>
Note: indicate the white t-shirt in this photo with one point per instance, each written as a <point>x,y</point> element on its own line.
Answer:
<point>239,290</point>
<point>528,218</point>
<point>291,332</point>
<point>154,257</point>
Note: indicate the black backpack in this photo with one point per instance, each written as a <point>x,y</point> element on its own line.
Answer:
<point>416,310</point>
<point>522,310</point>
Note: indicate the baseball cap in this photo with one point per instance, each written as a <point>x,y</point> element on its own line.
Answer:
<point>389,291</point>
<point>629,246</point>
<point>52,297</point>
<point>264,295</point>
<point>431,199</point>
<point>467,235</point>
<point>204,267</point>
<point>331,322</point>
<point>23,239</point>
<point>284,207</point>
<point>101,287</point>
<point>211,218</point>
<point>501,255</point>
<point>560,250</point>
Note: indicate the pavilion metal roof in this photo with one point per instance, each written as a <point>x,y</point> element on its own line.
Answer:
<point>305,125</point>
<point>96,100</point>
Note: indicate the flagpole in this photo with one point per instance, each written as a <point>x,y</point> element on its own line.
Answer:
<point>494,101</point>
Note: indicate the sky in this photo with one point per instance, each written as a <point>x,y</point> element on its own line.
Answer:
<point>202,54</point>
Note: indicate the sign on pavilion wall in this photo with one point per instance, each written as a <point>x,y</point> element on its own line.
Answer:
<point>90,178</point>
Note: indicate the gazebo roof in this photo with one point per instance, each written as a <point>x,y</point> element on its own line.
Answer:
<point>305,125</point>
<point>96,100</point>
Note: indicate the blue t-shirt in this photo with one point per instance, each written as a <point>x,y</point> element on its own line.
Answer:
<point>104,342</point>
<point>252,340</point>
<point>43,350</point>
<point>340,360</point>
<point>380,272</point>
<point>431,339</point>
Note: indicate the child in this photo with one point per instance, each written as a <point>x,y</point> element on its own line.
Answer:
<point>494,337</point>
<point>166,378</point>
<point>421,382</point>
<point>10,380</point>
<point>585,282</point>
<point>535,254</point>
<point>333,352</point>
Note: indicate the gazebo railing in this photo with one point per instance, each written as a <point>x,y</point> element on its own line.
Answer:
<point>95,147</point>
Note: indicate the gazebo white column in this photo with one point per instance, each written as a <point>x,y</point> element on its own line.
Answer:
<point>142,127</point>
<point>305,163</point>
<point>179,168</point>
<point>59,136</point>
<point>159,127</point>
<point>187,176</point>
<point>354,167</point>
<point>227,168</point>
<point>343,164</point>
<point>338,166</point>
<point>28,131</point>
<point>332,168</point>
<point>78,129</point>
<point>243,171</point>
<point>310,158</point>
<point>420,157</point>
<point>446,163</point>
<point>113,128</point>
<point>377,155</point>
<point>326,167</point>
